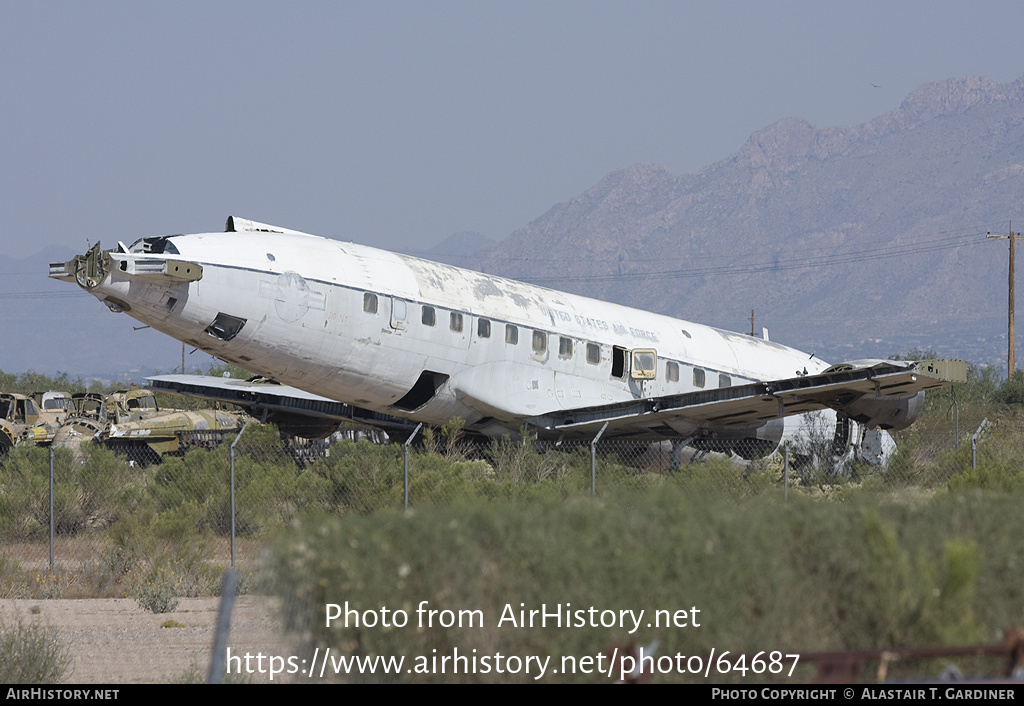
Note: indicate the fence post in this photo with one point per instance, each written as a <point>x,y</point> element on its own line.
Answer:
<point>956,418</point>
<point>974,443</point>
<point>405,461</point>
<point>51,510</point>
<point>233,492</point>
<point>218,658</point>
<point>785,471</point>
<point>593,460</point>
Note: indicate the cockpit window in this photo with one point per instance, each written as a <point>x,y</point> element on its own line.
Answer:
<point>147,402</point>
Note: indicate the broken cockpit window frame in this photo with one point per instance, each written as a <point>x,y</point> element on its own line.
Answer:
<point>225,327</point>
<point>156,245</point>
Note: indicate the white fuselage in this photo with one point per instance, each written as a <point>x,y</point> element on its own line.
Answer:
<point>361,325</point>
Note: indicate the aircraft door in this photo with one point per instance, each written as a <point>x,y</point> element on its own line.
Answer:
<point>643,364</point>
<point>643,367</point>
<point>399,313</point>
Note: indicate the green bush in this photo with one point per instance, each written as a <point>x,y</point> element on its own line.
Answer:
<point>810,575</point>
<point>92,491</point>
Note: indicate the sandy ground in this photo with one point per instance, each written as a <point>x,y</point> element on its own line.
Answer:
<point>113,641</point>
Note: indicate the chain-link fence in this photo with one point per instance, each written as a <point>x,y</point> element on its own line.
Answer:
<point>87,520</point>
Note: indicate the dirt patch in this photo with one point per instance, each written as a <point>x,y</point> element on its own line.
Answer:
<point>114,641</point>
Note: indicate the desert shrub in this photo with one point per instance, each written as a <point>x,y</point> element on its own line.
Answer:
<point>269,486</point>
<point>360,476</point>
<point>32,654</point>
<point>90,491</point>
<point>157,591</point>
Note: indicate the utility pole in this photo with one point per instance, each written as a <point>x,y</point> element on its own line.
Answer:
<point>751,322</point>
<point>1011,363</point>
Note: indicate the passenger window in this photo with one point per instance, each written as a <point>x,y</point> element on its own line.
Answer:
<point>724,380</point>
<point>455,322</point>
<point>698,377</point>
<point>370,303</point>
<point>511,334</point>
<point>564,347</point>
<point>540,341</point>
<point>483,328</point>
<point>593,353</point>
<point>672,371</point>
<point>428,317</point>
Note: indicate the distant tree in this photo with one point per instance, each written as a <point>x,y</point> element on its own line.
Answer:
<point>28,382</point>
<point>1011,391</point>
<point>235,371</point>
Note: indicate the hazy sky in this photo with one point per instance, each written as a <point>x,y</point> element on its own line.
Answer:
<point>400,123</point>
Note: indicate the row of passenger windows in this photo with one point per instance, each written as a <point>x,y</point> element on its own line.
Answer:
<point>428,317</point>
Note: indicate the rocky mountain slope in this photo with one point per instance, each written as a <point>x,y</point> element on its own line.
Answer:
<point>863,240</point>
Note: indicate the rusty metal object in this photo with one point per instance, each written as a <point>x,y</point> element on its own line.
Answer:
<point>846,667</point>
<point>131,422</point>
<point>22,421</point>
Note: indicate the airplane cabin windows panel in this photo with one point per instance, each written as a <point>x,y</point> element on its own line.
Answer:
<point>724,380</point>
<point>370,303</point>
<point>672,371</point>
<point>483,328</point>
<point>540,341</point>
<point>564,347</point>
<point>428,317</point>
<point>455,322</point>
<point>698,377</point>
<point>511,334</point>
<point>593,353</point>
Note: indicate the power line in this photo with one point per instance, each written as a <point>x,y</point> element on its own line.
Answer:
<point>944,236</point>
<point>40,295</point>
<point>774,266</point>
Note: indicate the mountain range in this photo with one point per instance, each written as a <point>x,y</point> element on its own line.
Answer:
<point>867,240</point>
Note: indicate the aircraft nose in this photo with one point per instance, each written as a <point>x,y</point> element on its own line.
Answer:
<point>88,271</point>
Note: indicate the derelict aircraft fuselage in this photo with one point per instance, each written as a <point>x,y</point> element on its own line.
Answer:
<point>427,341</point>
